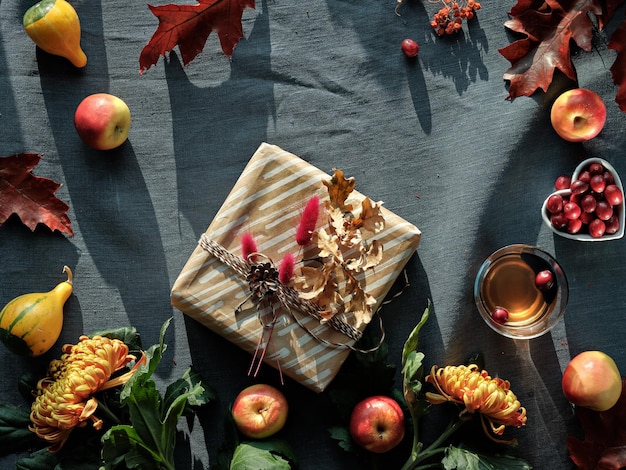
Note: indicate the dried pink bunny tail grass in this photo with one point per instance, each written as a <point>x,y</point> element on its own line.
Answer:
<point>248,245</point>
<point>286,269</point>
<point>308,221</point>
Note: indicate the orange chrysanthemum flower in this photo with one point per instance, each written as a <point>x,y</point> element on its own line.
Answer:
<point>477,391</point>
<point>65,397</point>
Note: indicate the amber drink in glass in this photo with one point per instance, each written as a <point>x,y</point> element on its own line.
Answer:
<point>507,280</point>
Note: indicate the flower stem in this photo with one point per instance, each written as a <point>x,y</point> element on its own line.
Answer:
<point>433,449</point>
<point>106,411</point>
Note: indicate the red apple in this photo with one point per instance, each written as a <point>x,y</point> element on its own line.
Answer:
<point>102,121</point>
<point>578,115</point>
<point>260,411</point>
<point>377,424</point>
<point>592,380</point>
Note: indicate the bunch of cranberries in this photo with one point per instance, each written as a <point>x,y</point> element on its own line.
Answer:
<point>591,206</point>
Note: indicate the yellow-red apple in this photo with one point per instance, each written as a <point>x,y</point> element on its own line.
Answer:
<point>592,380</point>
<point>377,424</point>
<point>102,121</point>
<point>578,115</point>
<point>260,411</point>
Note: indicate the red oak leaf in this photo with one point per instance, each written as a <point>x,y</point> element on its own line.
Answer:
<point>29,196</point>
<point>547,27</point>
<point>189,27</point>
<point>604,444</point>
<point>618,69</point>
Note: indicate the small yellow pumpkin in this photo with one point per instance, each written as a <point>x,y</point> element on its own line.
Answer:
<point>31,323</point>
<point>53,25</point>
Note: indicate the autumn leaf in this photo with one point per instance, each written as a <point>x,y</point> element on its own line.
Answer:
<point>189,26</point>
<point>604,444</point>
<point>374,255</point>
<point>29,196</point>
<point>311,282</point>
<point>328,245</point>
<point>547,28</point>
<point>370,218</point>
<point>339,188</point>
<point>618,69</point>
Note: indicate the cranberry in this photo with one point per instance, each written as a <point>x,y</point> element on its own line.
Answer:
<point>562,182</point>
<point>588,203</point>
<point>574,226</point>
<point>604,210</point>
<point>559,221</point>
<point>555,203</point>
<point>571,210</point>
<point>597,183</point>
<point>410,47</point>
<point>613,195</point>
<point>585,176</point>
<point>597,228</point>
<point>544,280</point>
<point>596,168</point>
<point>612,225</point>
<point>587,217</point>
<point>500,315</point>
<point>608,177</point>
<point>579,186</point>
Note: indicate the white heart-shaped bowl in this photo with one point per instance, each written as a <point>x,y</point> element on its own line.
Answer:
<point>618,210</point>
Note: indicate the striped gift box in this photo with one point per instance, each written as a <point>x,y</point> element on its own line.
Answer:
<point>267,201</point>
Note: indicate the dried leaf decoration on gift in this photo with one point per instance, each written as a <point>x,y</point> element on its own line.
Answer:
<point>313,244</point>
<point>547,28</point>
<point>30,197</point>
<point>344,252</point>
<point>189,27</point>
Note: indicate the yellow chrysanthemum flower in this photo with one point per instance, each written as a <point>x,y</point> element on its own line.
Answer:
<point>65,399</point>
<point>477,391</point>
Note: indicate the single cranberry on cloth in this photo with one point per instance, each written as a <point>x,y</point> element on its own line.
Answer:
<point>258,280</point>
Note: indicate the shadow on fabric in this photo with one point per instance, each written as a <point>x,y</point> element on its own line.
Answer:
<point>47,251</point>
<point>519,222</point>
<point>123,239</point>
<point>210,153</point>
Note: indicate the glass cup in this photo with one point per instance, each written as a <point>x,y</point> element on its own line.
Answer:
<point>507,280</point>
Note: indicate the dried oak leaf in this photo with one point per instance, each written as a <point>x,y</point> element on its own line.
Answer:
<point>328,245</point>
<point>29,196</point>
<point>370,218</point>
<point>604,444</point>
<point>310,282</point>
<point>548,27</point>
<point>618,69</point>
<point>339,188</point>
<point>189,27</point>
<point>373,255</point>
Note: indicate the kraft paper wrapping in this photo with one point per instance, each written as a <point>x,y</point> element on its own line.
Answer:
<point>267,201</point>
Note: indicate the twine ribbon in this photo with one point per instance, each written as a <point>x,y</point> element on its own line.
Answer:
<point>290,299</point>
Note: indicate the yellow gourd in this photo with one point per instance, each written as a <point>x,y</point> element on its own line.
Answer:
<point>54,26</point>
<point>31,323</point>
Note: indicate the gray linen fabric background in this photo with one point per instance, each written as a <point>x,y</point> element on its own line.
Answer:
<point>433,138</point>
